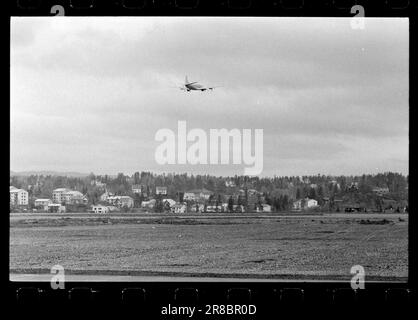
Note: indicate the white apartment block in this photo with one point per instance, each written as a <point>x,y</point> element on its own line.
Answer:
<point>67,196</point>
<point>18,197</point>
<point>58,195</point>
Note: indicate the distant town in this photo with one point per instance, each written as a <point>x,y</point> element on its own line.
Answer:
<point>185,193</point>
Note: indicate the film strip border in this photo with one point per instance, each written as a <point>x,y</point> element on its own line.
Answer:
<point>266,299</point>
<point>148,296</point>
<point>338,8</point>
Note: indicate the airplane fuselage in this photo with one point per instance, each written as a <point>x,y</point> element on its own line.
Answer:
<point>189,86</point>
<point>194,86</point>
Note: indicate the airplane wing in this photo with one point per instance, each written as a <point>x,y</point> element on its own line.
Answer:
<point>211,88</point>
<point>178,87</point>
<point>207,88</point>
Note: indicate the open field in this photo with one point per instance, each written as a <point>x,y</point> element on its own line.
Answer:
<point>267,246</point>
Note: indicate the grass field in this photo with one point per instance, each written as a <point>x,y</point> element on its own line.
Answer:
<point>313,247</point>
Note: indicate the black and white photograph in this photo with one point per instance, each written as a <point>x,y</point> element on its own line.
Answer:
<point>209,148</point>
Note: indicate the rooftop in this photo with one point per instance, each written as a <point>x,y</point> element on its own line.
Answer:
<point>203,190</point>
<point>74,193</point>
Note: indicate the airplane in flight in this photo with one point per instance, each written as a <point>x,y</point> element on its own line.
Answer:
<point>190,86</point>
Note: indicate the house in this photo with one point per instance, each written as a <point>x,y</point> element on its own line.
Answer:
<point>297,205</point>
<point>310,203</point>
<point>266,207</point>
<point>213,208</point>
<point>141,189</point>
<point>98,183</point>
<point>121,201</point>
<point>197,194</point>
<point>137,188</point>
<point>74,197</point>
<point>104,196</point>
<point>189,196</point>
<point>170,202</point>
<point>56,207</point>
<point>198,207</point>
<point>161,191</point>
<point>178,208</point>
<point>238,208</point>
<point>224,207</point>
<point>126,201</point>
<point>42,203</point>
<point>230,184</point>
<point>148,204</point>
<point>303,204</point>
<point>18,197</point>
<point>100,209</point>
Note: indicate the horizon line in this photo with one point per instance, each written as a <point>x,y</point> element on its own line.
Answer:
<point>63,173</point>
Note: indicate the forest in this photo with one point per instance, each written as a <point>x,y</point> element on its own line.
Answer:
<point>276,191</point>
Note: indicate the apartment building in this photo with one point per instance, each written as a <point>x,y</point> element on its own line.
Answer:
<point>67,196</point>
<point>121,201</point>
<point>18,197</point>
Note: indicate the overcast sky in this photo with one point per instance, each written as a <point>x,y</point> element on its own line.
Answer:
<point>89,94</point>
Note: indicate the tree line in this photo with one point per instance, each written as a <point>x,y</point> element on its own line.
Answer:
<point>276,191</point>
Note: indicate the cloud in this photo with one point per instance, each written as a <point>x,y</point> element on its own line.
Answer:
<point>104,85</point>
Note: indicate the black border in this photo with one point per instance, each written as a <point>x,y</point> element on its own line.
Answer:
<point>330,8</point>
